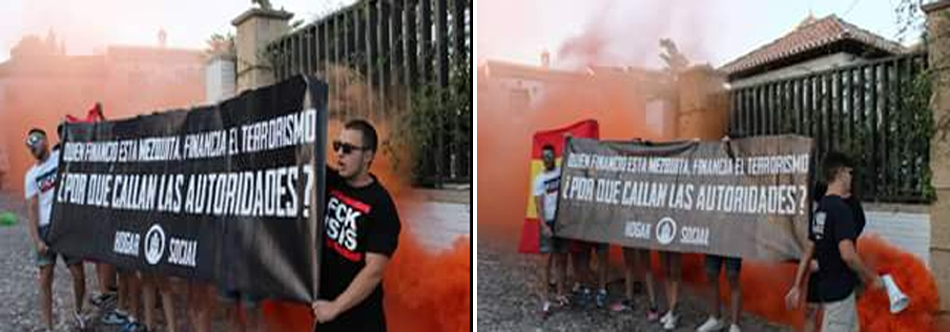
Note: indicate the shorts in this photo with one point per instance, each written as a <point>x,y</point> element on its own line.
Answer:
<point>551,244</point>
<point>714,265</point>
<point>840,316</point>
<point>248,301</point>
<point>49,257</point>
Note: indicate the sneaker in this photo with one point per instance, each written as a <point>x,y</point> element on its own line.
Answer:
<point>622,305</point>
<point>80,320</point>
<point>653,314</point>
<point>582,296</point>
<point>711,324</point>
<point>134,327</point>
<point>114,317</point>
<point>666,317</point>
<point>734,328</point>
<point>103,299</point>
<point>669,321</point>
<point>561,301</point>
<point>601,298</point>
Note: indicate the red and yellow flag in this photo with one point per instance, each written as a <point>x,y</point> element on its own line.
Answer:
<point>530,232</point>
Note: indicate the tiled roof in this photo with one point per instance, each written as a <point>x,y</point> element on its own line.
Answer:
<point>810,35</point>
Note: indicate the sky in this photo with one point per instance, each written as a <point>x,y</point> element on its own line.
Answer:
<point>627,32</point>
<point>90,25</point>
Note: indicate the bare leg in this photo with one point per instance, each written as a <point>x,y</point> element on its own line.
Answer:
<point>582,267</point>
<point>122,296</point>
<point>602,268</point>
<point>547,277</point>
<point>165,289</point>
<point>200,299</point>
<point>253,317</point>
<point>547,271</point>
<point>644,263</point>
<point>812,311</point>
<point>148,293</point>
<point>629,268</point>
<point>561,262</point>
<point>79,285</point>
<point>673,277</point>
<point>46,294</point>
<point>735,292</point>
<point>715,304</point>
<point>134,292</point>
<point>234,316</point>
<point>106,275</point>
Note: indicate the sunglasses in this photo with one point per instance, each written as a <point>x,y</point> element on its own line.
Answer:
<point>34,140</point>
<point>346,148</point>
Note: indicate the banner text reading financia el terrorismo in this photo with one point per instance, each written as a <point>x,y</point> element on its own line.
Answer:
<point>227,193</point>
<point>740,198</point>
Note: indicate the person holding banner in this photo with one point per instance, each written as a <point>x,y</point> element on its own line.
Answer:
<point>714,264</point>
<point>637,260</point>
<point>361,235</point>
<point>39,187</point>
<point>832,234</point>
<point>733,265</point>
<point>545,189</point>
<point>587,276</point>
<point>105,272</point>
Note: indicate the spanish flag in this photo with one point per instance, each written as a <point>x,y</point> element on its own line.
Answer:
<point>530,232</point>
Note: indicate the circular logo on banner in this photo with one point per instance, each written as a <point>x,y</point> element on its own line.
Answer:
<point>154,244</point>
<point>666,230</point>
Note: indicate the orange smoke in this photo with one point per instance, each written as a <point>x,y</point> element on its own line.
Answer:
<point>504,143</point>
<point>612,99</point>
<point>425,289</point>
<point>911,276</point>
<point>764,286</point>
<point>430,291</point>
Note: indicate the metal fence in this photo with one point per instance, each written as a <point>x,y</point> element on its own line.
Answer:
<point>872,111</point>
<point>396,47</point>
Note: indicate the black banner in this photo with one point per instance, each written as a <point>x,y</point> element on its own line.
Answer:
<point>742,198</point>
<point>227,193</point>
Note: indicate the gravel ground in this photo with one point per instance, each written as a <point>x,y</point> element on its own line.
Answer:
<point>19,303</point>
<point>19,300</point>
<point>509,299</point>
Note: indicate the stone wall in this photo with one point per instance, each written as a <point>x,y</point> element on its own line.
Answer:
<point>938,26</point>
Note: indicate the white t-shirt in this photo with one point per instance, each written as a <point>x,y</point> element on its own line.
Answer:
<point>41,180</point>
<point>547,184</point>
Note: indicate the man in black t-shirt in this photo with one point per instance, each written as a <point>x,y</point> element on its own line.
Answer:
<point>362,231</point>
<point>812,309</point>
<point>832,233</point>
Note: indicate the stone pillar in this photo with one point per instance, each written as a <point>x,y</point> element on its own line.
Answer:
<point>256,28</point>
<point>938,49</point>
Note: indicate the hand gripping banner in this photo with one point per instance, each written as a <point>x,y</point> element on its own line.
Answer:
<point>226,193</point>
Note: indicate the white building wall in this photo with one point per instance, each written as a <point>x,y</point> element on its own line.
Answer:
<point>905,226</point>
